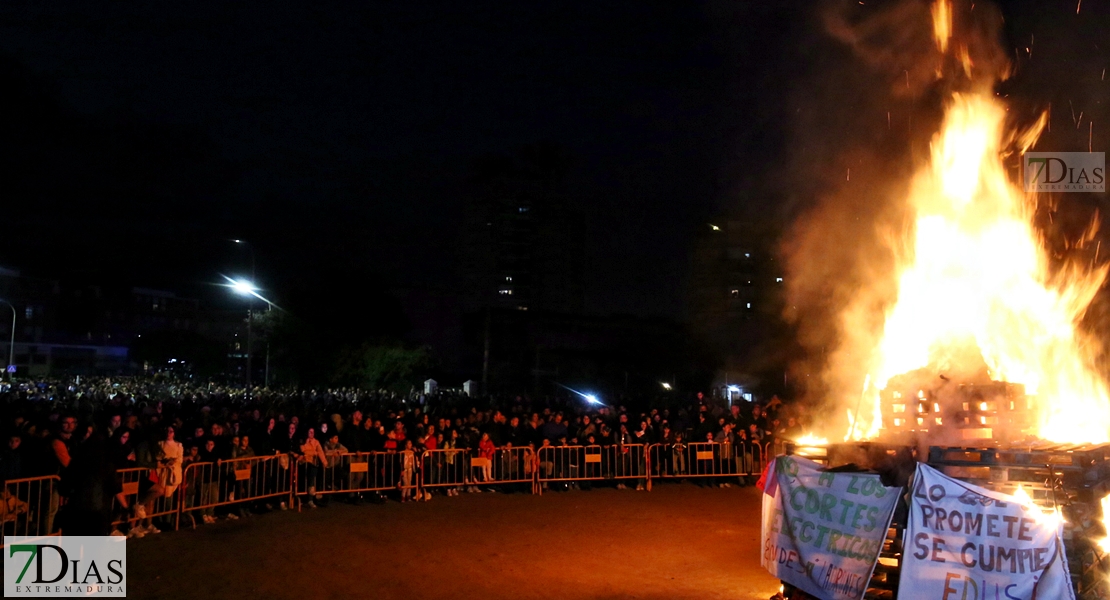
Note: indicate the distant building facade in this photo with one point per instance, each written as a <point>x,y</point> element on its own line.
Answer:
<point>85,328</point>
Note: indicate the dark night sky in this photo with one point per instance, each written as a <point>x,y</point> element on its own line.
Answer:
<point>337,135</point>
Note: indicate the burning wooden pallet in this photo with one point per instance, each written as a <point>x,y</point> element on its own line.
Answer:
<point>1072,477</point>
<point>977,411</point>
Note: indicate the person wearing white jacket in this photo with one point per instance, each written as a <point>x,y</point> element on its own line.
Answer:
<point>169,455</point>
<point>312,453</point>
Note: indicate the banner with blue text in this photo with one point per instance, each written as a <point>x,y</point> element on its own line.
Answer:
<point>822,531</point>
<point>964,541</point>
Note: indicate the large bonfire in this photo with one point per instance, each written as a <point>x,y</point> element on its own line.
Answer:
<point>975,281</point>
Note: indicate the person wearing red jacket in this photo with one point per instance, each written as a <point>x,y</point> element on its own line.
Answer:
<point>486,450</point>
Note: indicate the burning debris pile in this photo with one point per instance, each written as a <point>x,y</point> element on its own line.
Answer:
<point>972,322</point>
<point>979,359</point>
<point>979,301</point>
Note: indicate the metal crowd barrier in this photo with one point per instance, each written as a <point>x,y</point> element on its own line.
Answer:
<point>705,459</point>
<point>447,467</point>
<point>25,507</point>
<point>356,472</point>
<point>591,463</point>
<point>30,505</point>
<point>458,467</point>
<point>514,465</point>
<point>206,486</point>
<point>134,481</point>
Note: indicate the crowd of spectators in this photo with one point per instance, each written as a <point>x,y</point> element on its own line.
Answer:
<point>87,430</point>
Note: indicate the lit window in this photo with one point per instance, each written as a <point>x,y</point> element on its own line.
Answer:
<point>29,313</point>
<point>507,278</point>
<point>522,308</point>
<point>505,292</point>
<point>523,209</point>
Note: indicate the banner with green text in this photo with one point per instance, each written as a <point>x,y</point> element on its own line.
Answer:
<point>822,531</point>
<point>964,541</point>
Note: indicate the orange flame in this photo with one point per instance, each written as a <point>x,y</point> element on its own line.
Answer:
<point>942,23</point>
<point>974,278</point>
<point>1104,543</point>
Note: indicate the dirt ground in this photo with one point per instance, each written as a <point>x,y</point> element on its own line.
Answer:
<point>677,541</point>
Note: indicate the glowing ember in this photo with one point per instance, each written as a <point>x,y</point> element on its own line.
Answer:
<point>1051,516</point>
<point>811,440</point>
<point>1104,543</point>
<point>974,279</point>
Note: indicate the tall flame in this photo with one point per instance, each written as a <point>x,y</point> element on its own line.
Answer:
<point>942,23</point>
<point>974,276</point>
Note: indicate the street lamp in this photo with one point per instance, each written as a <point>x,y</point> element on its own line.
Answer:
<point>11,345</point>
<point>250,309</point>
<point>246,287</point>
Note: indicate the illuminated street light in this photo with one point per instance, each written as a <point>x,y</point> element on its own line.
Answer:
<point>245,287</point>
<point>665,385</point>
<point>713,227</point>
<point>591,398</point>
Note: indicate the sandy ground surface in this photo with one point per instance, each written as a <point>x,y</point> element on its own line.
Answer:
<point>678,541</point>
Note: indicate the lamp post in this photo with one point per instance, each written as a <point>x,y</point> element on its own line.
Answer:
<point>247,288</point>
<point>250,306</point>
<point>11,344</point>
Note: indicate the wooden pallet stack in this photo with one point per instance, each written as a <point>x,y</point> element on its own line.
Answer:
<point>1073,477</point>
<point>978,411</point>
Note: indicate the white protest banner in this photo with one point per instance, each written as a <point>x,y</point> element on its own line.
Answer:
<point>822,531</point>
<point>967,542</point>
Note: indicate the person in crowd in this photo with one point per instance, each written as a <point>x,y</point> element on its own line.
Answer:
<point>314,459</point>
<point>169,455</point>
<point>93,488</point>
<point>262,440</point>
<point>454,459</point>
<point>62,447</point>
<point>486,450</point>
<point>209,481</point>
<point>191,492</point>
<point>241,451</point>
<point>12,463</point>
<point>408,471</point>
<point>333,453</point>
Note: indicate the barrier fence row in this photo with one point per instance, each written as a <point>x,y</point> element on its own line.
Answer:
<point>30,505</point>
